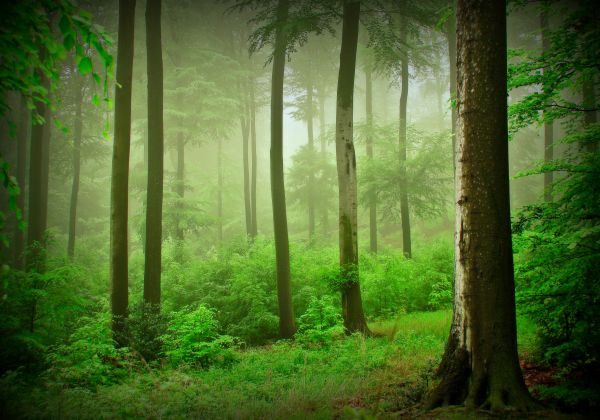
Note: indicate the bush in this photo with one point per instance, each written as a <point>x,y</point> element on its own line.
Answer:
<point>192,338</point>
<point>321,323</point>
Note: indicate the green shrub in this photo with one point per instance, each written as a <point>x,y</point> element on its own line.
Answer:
<point>192,338</point>
<point>321,323</point>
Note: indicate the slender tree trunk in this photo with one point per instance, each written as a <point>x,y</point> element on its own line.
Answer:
<point>22,134</point>
<point>548,125</point>
<point>180,190</point>
<point>372,197</point>
<point>451,36</point>
<point>287,325</point>
<point>76,168</point>
<point>324,209</point>
<point>311,176</point>
<point>38,185</point>
<point>220,190</point>
<point>153,253</point>
<point>480,367</point>
<point>245,124</point>
<point>404,210</point>
<point>589,102</point>
<point>120,172</point>
<point>254,230</point>
<point>352,310</point>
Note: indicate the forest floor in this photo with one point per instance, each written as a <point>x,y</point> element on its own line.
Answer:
<point>354,377</point>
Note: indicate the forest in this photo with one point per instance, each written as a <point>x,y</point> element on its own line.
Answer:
<point>299,209</point>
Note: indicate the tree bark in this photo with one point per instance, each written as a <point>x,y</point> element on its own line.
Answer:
<point>38,185</point>
<point>287,325</point>
<point>220,190</point>
<point>325,210</point>
<point>245,125</point>
<point>480,367</point>
<point>451,37</point>
<point>180,189</point>
<point>372,197</point>
<point>120,172</point>
<point>76,168</point>
<point>22,134</point>
<point>352,310</point>
<point>548,125</point>
<point>311,176</point>
<point>404,209</point>
<point>254,230</point>
<point>152,271</point>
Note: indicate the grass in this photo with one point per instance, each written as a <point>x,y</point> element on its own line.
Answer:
<point>353,376</point>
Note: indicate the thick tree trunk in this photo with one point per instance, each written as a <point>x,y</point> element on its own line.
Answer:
<point>451,37</point>
<point>404,210</point>
<point>76,168</point>
<point>245,125</point>
<point>38,185</point>
<point>180,186</point>
<point>548,125</point>
<point>352,310</point>
<point>254,230</point>
<point>287,325</point>
<point>220,191</point>
<point>480,367</point>
<point>311,176</point>
<point>152,271</point>
<point>324,209</point>
<point>120,172</point>
<point>372,197</point>
<point>22,134</point>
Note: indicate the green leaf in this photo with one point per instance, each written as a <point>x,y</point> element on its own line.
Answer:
<point>85,66</point>
<point>69,41</point>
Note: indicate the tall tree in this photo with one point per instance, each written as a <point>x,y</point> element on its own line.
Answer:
<point>480,366</point>
<point>155,154</point>
<point>369,146</point>
<point>548,125</point>
<point>22,134</point>
<point>352,309</point>
<point>253,162</point>
<point>404,211</point>
<point>311,148</point>
<point>451,37</point>
<point>38,182</point>
<point>287,325</point>
<point>120,171</point>
<point>245,123</point>
<point>76,165</point>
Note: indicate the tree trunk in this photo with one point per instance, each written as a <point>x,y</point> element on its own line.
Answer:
<point>404,210</point>
<point>254,230</point>
<point>324,209</point>
<point>451,37</point>
<point>352,310</point>
<point>548,125</point>
<point>38,185</point>
<point>22,131</point>
<point>120,172</point>
<point>76,167</point>
<point>154,190</point>
<point>287,325</point>
<point>372,197</point>
<point>245,124</point>
<point>180,190</point>
<point>480,367</point>
<point>589,102</point>
<point>220,190</point>
<point>311,176</point>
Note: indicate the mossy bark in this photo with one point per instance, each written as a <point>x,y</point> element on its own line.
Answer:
<point>120,171</point>
<point>480,367</point>
<point>352,310</point>
<point>287,325</point>
<point>369,149</point>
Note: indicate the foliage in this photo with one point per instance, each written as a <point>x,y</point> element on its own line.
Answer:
<point>192,339</point>
<point>321,323</point>
<point>428,171</point>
